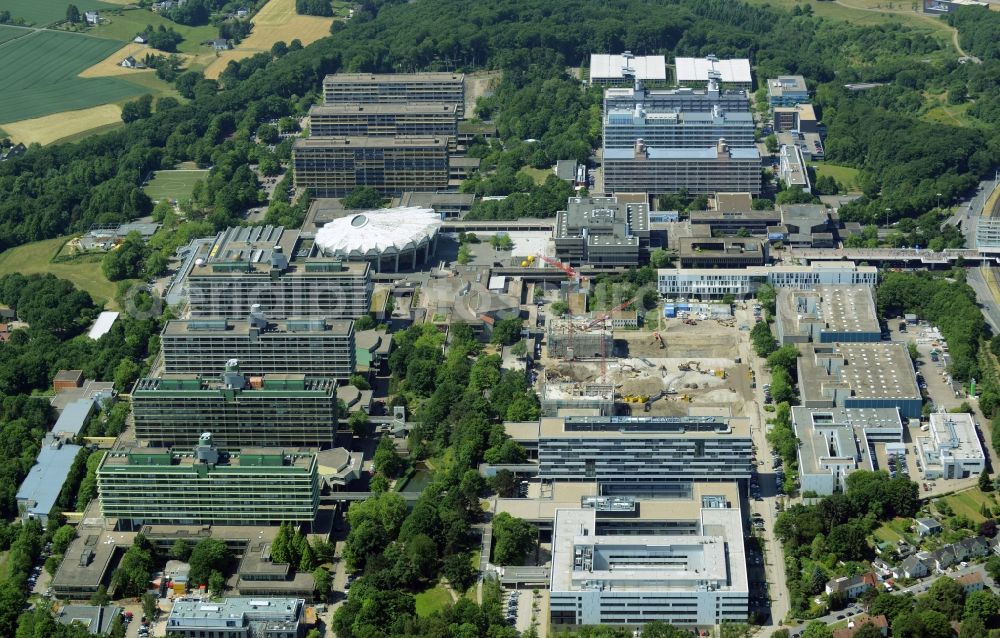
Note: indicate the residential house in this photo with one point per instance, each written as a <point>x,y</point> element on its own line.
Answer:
<point>242,12</point>
<point>852,586</point>
<point>912,567</point>
<point>140,39</point>
<point>927,527</point>
<point>129,62</point>
<point>92,17</point>
<point>220,44</point>
<point>855,624</point>
<point>995,545</point>
<point>13,151</point>
<point>971,582</point>
<point>943,558</point>
<point>975,547</point>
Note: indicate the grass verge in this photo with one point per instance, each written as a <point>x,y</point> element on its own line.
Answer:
<point>85,272</point>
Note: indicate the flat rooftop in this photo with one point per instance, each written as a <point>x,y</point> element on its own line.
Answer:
<point>393,78</point>
<point>840,309</point>
<point>369,142</point>
<point>730,216</point>
<point>255,458</point>
<point>380,108</point>
<point>880,370</point>
<point>180,327</point>
<point>199,613</point>
<point>719,246</point>
<point>642,67</point>
<point>698,69</point>
<point>763,271</point>
<point>658,427</point>
<point>840,434</point>
<point>955,435</point>
<point>183,383</point>
<point>782,84</point>
<point>673,153</point>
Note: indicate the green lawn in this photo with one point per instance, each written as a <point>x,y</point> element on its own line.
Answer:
<point>843,174</point>
<point>84,272</point>
<point>537,174</point>
<point>175,184</point>
<point>342,9</point>
<point>895,530</point>
<point>39,75</point>
<point>868,12</point>
<point>3,565</point>
<point>43,12</point>
<point>124,25</point>
<point>968,503</point>
<point>432,600</point>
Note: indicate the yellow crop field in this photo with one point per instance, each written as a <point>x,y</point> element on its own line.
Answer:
<point>277,21</point>
<point>50,128</point>
<point>110,66</point>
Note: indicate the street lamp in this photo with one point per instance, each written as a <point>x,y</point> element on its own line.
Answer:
<point>887,211</point>
<point>939,200</point>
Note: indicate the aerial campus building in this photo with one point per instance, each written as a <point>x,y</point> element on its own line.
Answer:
<point>801,118</point>
<point>827,314</point>
<point>388,239</point>
<point>604,575</point>
<point>601,231</point>
<point>237,618</point>
<point>716,283</point>
<point>626,69</point>
<point>334,166</point>
<point>858,375</point>
<point>700,71</point>
<point>792,168</point>
<point>387,88</point>
<point>677,128</point>
<point>787,90</point>
<point>274,410</point>
<point>205,485</point>
<point>638,455</point>
<point>282,271</point>
<point>313,346</point>
<point>667,170</point>
<point>837,441</point>
<point>721,252</point>
<point>686,99</point>
<point>40,489</point>
<point>406,119</point>
<point>951,449</point>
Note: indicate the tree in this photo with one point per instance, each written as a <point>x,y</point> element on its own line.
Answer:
<point>520,349</point>
<point>985,484</point>
<point>364,322</point>
<point>359,423</point>
<point>72,14</point>
<point>62,538</point>
<point>763,341</point>
<point>459,571</point>
<point>322,581</point>
<point>362,197</point>
<point>982,604</point>
<point>138,110</point>
<point>946,597</point>
<point>659,258</point>
<point>767,296</point>
<point>794,195</point>
<point>386,460</point>
<point>125,260</point>
<point>100,597</point>
<point>973,627</point>
<point>307,562</point>
<point>513,538</point>
<point>216,583</point>
<point>132,576</point>
<point>868,630</point>
<point>784,357</point>
<point>464,255</point>
<point>771,142</point>
<point>180,550</point>
<point>507,331</point>
<point>660,629</point>
<point>817,629</point>
<point>360,382</point>
<point>210,554</point>
<point>149,607</point>
<point>558,308</point>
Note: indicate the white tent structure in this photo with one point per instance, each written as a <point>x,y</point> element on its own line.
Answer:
<point>386,237</point>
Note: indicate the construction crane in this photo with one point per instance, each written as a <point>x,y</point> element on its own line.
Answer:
<point>601,319</point>
<point>573,276</point>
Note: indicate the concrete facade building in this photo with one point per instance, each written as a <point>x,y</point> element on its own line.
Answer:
<point>282,271</point>
<point>668,170</point>
<point>801,117</point>
<point>859,375</point>
<point>601,231</point>
<point>274,410</point>
<point>447,205</point>
<point>988,233</point>
<point>318,347</point>
<point>557,397</point>
<point>677,129</point>
<point>686,99</point>
<point>255,486</point>
<point>237,618</point>
<point>715,283</point>
<point>408,119</point>
<point>639,455</point>
<point>787,90</point>
<point>334,166</point>
<point>835,442</point>
<point>699,71</point>
<point>387,88</point>
<point>754,222</point>
<point>697,579</point>
<point>40,489</point>
<point>792,168</point>
<point>827,314</point>
<point>722,252</point>
<point>951,449</point>
<point>625,69</point>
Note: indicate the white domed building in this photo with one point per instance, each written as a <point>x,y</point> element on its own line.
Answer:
<point>389,238</point>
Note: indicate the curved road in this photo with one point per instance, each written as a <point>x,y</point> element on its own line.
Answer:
<point>954,32</point>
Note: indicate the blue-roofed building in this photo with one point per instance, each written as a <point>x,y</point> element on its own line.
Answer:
<point>658,170</point>
<point>39,491</point>
<point>73,418</point>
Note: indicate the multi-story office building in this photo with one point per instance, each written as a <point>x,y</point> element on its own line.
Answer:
<point>988,233</point>
<point>447,205</point>
<point>715,283</point>
<point>320,347</point>
<point>677,129</point>
<point>237,618</point>
<point>951,448</point>
<point>801,117</point>
<point>205,486</point>
<point>668,170</point>
<point>700,71</point>
<point>753,222</point>
<point>334,166</point>
<point>836,441</point>
<point>382,88</point>
<point>721,252</point>
<point>688,579</point>
<point>827,314</point>
<point>410,119</point>
<point>283,272</point>
<point>685,99</point>
<point>792,168</point>
<point>787,90</point>
<point>625,69</point>
<point>601,231</point>
<point>859,375</point>
<point>638,455</point>
<point>275,410</point>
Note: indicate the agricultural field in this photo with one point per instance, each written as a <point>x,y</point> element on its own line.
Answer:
<point>869,12</point>
<point>85,272</point>
<point>60,126</point>
<point>39,76</point>
<point>124,24</point>
<point>175,184</point>
<point>277,21</point>
<point>9,33</point>
<point>44,12</point>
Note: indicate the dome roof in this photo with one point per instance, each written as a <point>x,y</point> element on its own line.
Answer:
<point>378,231</point>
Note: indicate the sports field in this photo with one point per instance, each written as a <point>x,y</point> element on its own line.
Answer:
<point>84,272</point>
<point>39,75</point>
<point>176,184</point>
<point>277,21</point>
<point>43,12</point>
